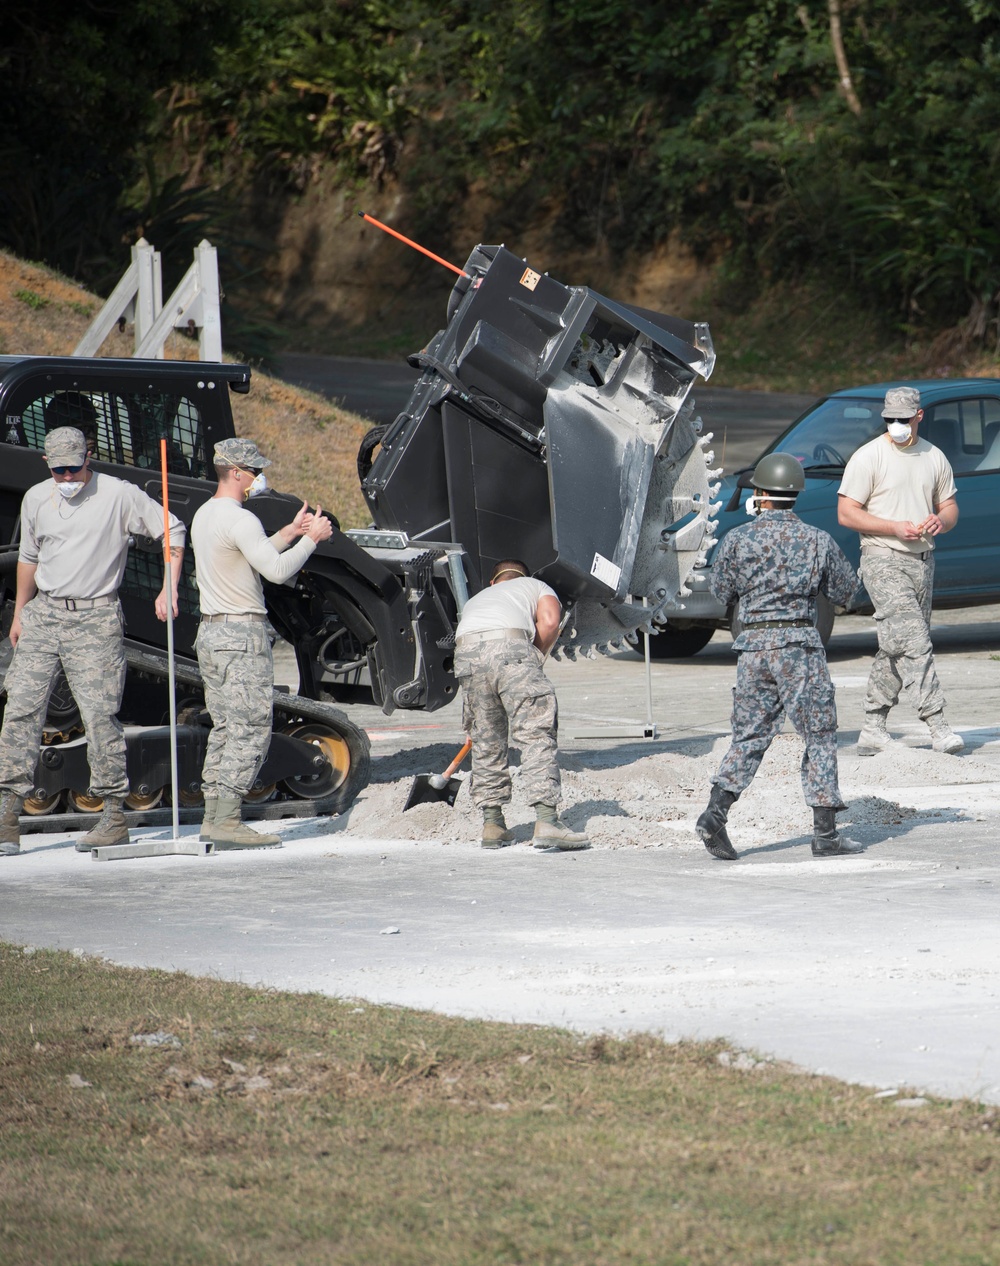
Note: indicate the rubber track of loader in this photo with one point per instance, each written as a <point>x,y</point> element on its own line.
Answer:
<point>293,707</point>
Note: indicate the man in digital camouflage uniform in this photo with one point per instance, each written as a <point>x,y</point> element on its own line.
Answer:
<point>501,642</point>
<point>898,491</point>
<point>75,530</point>
<point>231,554</point>
<point>776,566</point>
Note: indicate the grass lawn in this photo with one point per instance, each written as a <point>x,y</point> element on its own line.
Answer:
<point>279,1128</point>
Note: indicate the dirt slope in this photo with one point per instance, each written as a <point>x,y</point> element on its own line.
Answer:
<point>312,443</point>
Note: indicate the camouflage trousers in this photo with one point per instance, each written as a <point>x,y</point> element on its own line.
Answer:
<point>791,681</point>
<point>238,671</point>
<point>88,645</point>
<point>900,588</point>
<point>506,698</point>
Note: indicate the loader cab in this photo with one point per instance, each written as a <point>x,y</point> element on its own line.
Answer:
<point>124,407</point>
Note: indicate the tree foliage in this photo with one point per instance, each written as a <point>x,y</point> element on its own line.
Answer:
<point>78,80</point>
<point>617,124</point>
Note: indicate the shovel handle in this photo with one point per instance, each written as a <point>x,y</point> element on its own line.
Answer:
<point>465,750</point>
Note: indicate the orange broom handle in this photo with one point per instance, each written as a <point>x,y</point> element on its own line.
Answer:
<point>416,245</point>
<point>166,503</point>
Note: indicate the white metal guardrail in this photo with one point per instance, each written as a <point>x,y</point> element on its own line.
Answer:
<point>138,300</point>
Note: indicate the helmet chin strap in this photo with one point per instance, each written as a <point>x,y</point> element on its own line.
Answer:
<point>755,498</point>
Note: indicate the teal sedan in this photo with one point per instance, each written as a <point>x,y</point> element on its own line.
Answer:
<point>961,417</point>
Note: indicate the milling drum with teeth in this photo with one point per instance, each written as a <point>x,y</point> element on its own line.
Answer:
<point>554,425</point>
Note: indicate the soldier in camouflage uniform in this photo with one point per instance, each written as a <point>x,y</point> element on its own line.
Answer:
<point>898,491</point>
<point>75,530</point>
<point>776,566</point>
<point>501,642</point>
<point>233,643</point>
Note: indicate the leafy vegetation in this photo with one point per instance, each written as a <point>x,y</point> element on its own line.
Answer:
<point>854,140</point>
<point>32,299</point>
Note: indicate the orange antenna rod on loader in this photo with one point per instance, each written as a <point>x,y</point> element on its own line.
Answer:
<point>409,242</point>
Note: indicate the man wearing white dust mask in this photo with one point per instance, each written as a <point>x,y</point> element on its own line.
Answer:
<point>75,534</point>
<point>232,553</point>
<point>898,491</point>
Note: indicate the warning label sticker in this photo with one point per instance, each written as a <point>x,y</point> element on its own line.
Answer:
<point>530,278</point>
<point>605,571</point>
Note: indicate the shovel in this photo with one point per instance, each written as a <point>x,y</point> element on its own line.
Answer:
<point>429,788</point>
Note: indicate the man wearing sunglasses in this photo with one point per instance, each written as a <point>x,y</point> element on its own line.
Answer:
<point>75,530</point>
<point>232,552</point>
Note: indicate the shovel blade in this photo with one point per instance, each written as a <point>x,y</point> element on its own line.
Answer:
<point>423,791</point>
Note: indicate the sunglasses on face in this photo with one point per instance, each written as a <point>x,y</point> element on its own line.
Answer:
<point>67,470</point>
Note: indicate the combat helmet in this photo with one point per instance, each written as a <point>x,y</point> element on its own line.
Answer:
<point>779,472</point>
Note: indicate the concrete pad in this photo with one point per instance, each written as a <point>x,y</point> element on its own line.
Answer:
<point>882,968</point>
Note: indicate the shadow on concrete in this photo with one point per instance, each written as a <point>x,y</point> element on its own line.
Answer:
<point>959,636</point>
<point>577,815</point>
<point>628,753</point>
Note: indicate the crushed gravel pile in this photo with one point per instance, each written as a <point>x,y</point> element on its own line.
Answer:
<point>647,796</point>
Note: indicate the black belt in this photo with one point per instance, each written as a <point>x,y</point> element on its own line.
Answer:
<point>780,624</point>
<point>883,551</point>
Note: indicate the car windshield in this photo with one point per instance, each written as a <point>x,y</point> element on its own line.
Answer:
<point>825,437</point>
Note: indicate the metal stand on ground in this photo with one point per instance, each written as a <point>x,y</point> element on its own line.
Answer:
<point>647,731</point>
<point>174,845</point>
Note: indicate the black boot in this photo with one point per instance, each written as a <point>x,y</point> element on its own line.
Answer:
<point>711,826</point>
<point>826,842</point>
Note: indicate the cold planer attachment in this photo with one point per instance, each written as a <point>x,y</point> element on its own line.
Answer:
<point>553,424</point>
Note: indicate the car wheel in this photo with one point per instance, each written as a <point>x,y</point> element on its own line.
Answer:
<point>677,643</point>
<point>824,619</point>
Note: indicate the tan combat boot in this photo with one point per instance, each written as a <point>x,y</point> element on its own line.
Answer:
<point>211,805</point>
<point>495,835</point>
<point>874,738</point>
<point>229,832</point>
<point>943,737</point>
<point>551,833</point>
<point>10,827</point>
<point>111,828</point>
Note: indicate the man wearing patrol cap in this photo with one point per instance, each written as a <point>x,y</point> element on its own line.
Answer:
<point>775,567</point>
<point>75,530</point>
<point>234,649</point>
<point>898,491</point>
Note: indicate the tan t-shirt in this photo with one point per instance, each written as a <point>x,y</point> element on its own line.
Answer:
<point>898,483</point>
<point>510,605</point>
<point>230,549</point>
<point>80,544</point>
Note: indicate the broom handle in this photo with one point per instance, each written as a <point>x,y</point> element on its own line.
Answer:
<point>171,671</point>
<point>466,749</point>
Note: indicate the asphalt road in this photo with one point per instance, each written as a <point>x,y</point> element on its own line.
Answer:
<point>742,422</point>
